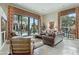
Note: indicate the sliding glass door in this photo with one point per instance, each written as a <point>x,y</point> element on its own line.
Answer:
<point>24,26</point>
<point>37,25</point>
<point>16,24</point>
<point>33,26</point>
<point>68,24</point>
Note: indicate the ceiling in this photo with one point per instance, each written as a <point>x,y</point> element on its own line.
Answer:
<point>46,8</point>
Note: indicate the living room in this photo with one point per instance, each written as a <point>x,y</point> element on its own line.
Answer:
<point>49,28</point>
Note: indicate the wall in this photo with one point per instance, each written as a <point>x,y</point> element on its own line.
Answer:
<point>0,31</point>
<point>77,22</point>
<point>51,17</point>
<point>2,13</point>
<point>5,9</point>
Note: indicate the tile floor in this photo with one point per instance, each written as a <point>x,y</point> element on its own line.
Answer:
<point>66,47</point>
<point>5,50</point>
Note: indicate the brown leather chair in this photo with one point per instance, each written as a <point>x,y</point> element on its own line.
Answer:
<point>49,39</point>
<point>20,46</point>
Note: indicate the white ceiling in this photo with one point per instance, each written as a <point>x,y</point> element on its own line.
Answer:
<point>46,8</point>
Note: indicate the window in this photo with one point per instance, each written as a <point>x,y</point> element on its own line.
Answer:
<point>24,26</point>
<point>34,24</point>
<point>37,25</point>
<point>68,23</point>
<point>16,24</point>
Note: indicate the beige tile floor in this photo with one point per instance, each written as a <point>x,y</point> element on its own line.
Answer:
<point>5,50</point>
<point>66,47</point>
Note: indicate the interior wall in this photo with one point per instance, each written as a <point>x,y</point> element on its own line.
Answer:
<point>0,31</point>
<point>4,10</point>
<point>42,20</point>
<point>52,17</point>
<point>2,14</point>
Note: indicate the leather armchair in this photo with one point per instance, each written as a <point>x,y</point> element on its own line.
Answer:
<point>49,39</point>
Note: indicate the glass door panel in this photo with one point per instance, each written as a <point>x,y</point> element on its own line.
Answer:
<point>16,25</point>
<point>31,26</point>
<point>67,23</point>
<point>24,26</point>
<point>36,26</point>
